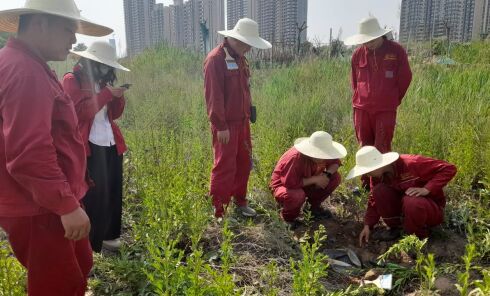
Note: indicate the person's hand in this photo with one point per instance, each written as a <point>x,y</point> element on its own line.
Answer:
<point>415,191</point>
<point>364,235</point>
<point>76,224</point>
<point>223,136</point>
<point>117,92</point>
<point>322,181</point>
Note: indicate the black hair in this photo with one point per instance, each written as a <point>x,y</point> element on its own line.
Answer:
<point>92,70</point>
<point>24,21</point>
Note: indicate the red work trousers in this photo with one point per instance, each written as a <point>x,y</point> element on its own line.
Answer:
<point>374,129</point>
<point>291,200</point>
<point>231,169</point>
<point>419,213</point>
<point>55,266</point>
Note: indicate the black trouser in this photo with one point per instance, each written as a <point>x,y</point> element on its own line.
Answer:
<point>103,203</point>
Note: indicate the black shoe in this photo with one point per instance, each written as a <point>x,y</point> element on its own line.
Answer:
<point>386,234</point>
<point>356,192</point>
<point>296,223</point>
<point>322,214</point>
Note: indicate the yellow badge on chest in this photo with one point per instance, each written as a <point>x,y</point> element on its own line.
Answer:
<point>390,57</point>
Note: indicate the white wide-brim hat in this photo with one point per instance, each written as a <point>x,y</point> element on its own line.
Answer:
<point>102,52</point>
<point>247,31</point>
<point>369,159</point>
<point>369,29</point>
<point>320,145</point>
<point>9,19</point>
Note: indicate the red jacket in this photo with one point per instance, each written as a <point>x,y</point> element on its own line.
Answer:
<point>42,159</point>
<point>293,167</point>
<point>414,171</point>
<point>227,92</point>
<point>88,103</point>
<point>380,78</point>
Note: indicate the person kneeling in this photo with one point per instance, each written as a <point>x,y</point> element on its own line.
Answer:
<point>408,186</point>
<point>307,172</point>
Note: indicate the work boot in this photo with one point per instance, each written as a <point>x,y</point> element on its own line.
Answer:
<point>247,211</point>
<point>387,234</point>
<point>112,245</point>
<point>321,213</point>
<point>296,223</point>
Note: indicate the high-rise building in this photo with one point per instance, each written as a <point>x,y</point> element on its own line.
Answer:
<point>137,21</point>
<point>157,24</point>
<point>481,22</point>
<point>145,24</point>
<point>461,20</point>
<point>279,20</point>
<point>291,15</point>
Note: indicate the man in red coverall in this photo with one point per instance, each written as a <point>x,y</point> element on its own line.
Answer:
<point>307,172</point>
<point>381,76</point>
<point>405,189</point>
<point>42,158</point>
<point>228,100</point>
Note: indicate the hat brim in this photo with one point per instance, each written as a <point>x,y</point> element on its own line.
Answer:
<point>386,159</point>
<point>9,22</point>
<point>364,38</point>
<point>304,147</point>
<point>256,42</point>
<point>92,57</point>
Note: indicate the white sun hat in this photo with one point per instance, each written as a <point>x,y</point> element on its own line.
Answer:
<point>320,145</point>
<point>368,159</point>
<point>247,31</point>
<point>9,19</point>
<point>369,29</point>
<point>102,52</point>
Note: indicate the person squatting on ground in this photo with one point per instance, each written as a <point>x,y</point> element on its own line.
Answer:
<point>307,172</point>
<point>406,190</point>
<point>42,159</point>
<point>380,79</point>
<point>228,101</point>
<point>98,103</point>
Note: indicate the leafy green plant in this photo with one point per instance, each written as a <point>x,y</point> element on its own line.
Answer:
<point>308,272</point>
<point>464,277</point>
<point>12,275</point>
<point>482,286</point>
<point>410,243</point>
<point>269,276</point>
<point>426,268</point>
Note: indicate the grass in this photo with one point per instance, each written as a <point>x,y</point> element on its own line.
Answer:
<point>173,245</point>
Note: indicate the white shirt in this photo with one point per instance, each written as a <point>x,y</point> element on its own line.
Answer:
<point>101,132</point>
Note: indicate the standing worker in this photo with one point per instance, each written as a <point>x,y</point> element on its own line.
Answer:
<point>228,100</point>
<point>98,103</point>
<point>381,76</point>
<point>42,158</point>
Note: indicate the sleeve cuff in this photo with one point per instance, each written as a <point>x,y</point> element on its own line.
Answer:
<point>67,205</point>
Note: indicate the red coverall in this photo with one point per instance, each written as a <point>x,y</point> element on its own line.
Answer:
<point>42,173</point>
<point>87,105</point>
<point>389,201</point>
<point>228,102</point>
<point>287,183</point>
<point>380,79</point>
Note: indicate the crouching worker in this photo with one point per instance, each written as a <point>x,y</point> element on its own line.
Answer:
<point>405,190</point>
<point>307,172</point>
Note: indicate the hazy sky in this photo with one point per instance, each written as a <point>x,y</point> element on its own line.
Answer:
<point>322,15</point>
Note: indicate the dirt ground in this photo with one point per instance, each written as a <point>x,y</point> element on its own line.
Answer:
<point>261,242</point>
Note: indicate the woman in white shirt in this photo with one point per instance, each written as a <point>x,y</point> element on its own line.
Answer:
<point>98,103</point>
